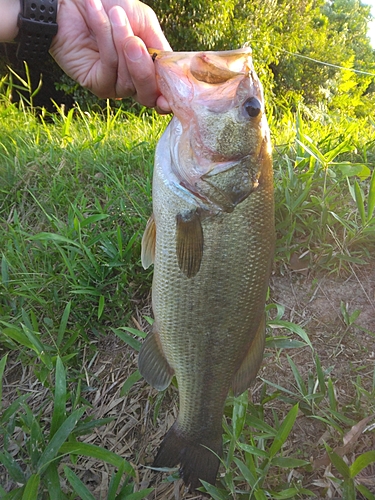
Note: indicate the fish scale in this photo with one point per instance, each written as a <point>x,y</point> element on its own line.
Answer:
<point>211,240</point>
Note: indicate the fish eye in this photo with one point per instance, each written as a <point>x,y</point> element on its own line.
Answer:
<point>252,107</point>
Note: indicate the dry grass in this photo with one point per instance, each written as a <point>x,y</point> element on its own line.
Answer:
<point>135,434</point>
<point>112,167</point>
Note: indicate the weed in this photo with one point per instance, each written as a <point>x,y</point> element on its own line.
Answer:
<point>75,195</point>
<point>34,467</point>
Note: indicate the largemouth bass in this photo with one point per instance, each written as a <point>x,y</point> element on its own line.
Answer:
<point>211,239</point>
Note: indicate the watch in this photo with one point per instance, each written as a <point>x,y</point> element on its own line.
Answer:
<point>37,26</point>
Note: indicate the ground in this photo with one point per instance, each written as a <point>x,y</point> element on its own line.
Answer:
<point>346,350</point>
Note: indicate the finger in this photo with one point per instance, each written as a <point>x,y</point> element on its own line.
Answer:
<point>121,30</point>
<point>150,30</point>
<point>142,71</point>
<point>103,73</point>
<point>136,72</point>
<point>162,106</point>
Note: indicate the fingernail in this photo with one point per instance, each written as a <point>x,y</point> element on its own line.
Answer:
<point>117,16</point>
<point>133,50</point>
<point>96,4</point>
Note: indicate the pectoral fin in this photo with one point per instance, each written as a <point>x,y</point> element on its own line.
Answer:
<point>189,242</point>
<point>251,364</point>
<point>152,363</point>
<point>148,243</point>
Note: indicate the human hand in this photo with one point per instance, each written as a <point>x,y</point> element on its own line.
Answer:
<point>102,45</point>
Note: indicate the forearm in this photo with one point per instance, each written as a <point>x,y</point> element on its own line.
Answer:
<point>9,10</point>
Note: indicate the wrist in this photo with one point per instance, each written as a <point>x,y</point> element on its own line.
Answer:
<point>37,27</point>
<point>9,10</point>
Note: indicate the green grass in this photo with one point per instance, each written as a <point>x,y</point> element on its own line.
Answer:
<point>75,195</point>
<point>325,191</point>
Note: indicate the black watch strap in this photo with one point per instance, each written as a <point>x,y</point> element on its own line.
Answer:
<point>37,26</point>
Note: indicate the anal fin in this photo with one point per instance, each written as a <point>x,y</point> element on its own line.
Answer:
<point>189,242</point>
<point>152,363</point>
<point>251,364</point>
<point>148,243</point>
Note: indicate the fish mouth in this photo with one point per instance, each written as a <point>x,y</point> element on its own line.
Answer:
<point>229,54</point>
<point>210,67</point>
<point>214,79</point>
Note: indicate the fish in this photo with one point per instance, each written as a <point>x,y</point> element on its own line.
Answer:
<point>211,240</point>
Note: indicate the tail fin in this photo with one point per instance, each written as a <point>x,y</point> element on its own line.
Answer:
<point>197,459</point>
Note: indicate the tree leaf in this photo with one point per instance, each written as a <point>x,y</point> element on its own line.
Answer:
<point>289,463</point>
<point>77,485</point>
<point>300,383</point>
<point>371,198</point>
<point>17,335</point>
<point>52,480</point>
<point>339,463</point>
<point>138,495</point>
<point>129,382</point>
<point>246,474</point>
<point>60,436</point>
<point>4,271</point>
<point>215,493</point>
<point>91,219</point>
<point>31,488</point>
<point>63,323</point>
<point>57,238</point>
<point>351,169</point>
<point>240,405</point>
<point>283,343</point>
<point>93,451</point>
<point>253,450</point>
<point>115,482</point>
<point>38,347</point>
<point>359,201</point>
<point>128,339</point>
<point>291,327</point>
<point>59,401</point>
<point>2,367</point>
<point>361,462</point>
<point>12,466</point>
<point>284,494</point>
<point>284,431</point>
<point>101,305</point>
